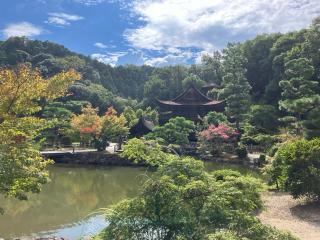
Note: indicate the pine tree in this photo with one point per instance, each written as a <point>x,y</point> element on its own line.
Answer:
<point>235,84</point>
<point>311,124</point>
<point>298,91</point>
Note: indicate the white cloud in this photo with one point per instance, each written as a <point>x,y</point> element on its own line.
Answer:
<point>210,24</point>
<point>181,57</point>
<point>109,58</point>
<point>100,45</point>
<point>122,3</point>
<point>199,55</point>
<point>90,2</point>
<point>62,19</point>
<point>21,29</point>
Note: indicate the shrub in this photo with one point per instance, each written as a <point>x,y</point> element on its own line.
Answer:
<point>215,118</point>
<point>246,189</point>
<point>182,201</point>
<point>223,235</point>
<point>241,151</point>
<point>259,139</point>
<point>144,152</point>
<point>273,150</point>
<point>296,168</point>
<point>262,160</point>
<point>266,140</point>
<point>221,175</point>
<point>253,231</point>
<point>176,131</point>
<point>250,228</point>
<point>212,138</point>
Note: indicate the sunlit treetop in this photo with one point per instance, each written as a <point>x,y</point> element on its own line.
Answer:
<point>22,88</point>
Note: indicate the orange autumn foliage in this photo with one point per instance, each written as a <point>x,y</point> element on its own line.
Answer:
<point>88,124</point>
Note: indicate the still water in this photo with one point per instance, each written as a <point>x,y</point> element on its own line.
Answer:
<point>67,205</point>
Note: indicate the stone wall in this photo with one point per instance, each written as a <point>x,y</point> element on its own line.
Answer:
<point>89,158</point>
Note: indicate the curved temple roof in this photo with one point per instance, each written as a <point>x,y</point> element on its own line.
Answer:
<point>191,96</point>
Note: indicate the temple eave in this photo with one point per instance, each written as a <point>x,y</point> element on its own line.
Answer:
<point>172,103</point>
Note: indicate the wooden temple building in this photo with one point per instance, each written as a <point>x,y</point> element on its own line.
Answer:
<point>191,104</point>
<point>142,127</point>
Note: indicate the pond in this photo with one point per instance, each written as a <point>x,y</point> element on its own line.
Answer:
<point>68,206</point>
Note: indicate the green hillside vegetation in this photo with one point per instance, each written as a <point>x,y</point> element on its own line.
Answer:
<point>265,62</point>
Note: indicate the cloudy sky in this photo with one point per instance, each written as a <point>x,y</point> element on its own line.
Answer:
<point>153,32</point>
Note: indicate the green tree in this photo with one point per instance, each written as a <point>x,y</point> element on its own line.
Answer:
<point>264,118</point>
<point>310,47</point>
<point>114,129</point>
<point>279,55</point>
<point>153,89</point>
<point>140,151</point>
<point>214,118</point>
<point>296,168</point>
<point>298,91</point>
<point>311,124</point>
<point>175,132</point>
<point>96,94</point>
<point>22,168</point>
<point>182,201</point>
<point>211,67</point>
<point>194,80</point>
<point>59,117</point>
<point>259,65</point>
<point>235,84</point>
<point>132,116</point>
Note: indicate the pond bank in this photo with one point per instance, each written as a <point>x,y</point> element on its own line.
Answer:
<point>88,158</point>
<point>93,157</point>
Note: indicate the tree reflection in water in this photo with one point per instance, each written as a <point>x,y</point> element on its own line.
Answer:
<point>72,194</point>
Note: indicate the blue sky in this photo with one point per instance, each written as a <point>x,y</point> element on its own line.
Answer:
<point>152,32</point>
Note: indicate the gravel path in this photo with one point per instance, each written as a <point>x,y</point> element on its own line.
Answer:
<point>283,212</point>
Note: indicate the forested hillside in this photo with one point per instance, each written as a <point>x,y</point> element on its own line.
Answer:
<point>103,85</point>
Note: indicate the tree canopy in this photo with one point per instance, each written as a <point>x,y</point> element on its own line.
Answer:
<point>22,90</point>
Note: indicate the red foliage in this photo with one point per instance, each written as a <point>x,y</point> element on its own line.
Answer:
<point>18,139</point>
<point>87,130</point>
<point>111,112</point>
<point>221,131</point>
<point>93,129</point>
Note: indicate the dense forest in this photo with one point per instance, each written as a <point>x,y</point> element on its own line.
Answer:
<point>265,58</point>
<point>264,62</point>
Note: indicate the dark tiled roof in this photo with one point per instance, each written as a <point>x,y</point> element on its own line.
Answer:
<point>191,96</point>
<point>148,124</point>
<point>212,102</point>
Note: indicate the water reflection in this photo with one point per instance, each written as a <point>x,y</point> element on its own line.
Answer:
<point>64,206</point>
<point>72,194</point>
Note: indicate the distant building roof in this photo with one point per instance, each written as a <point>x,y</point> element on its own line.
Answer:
<point>191,104</point>
<point>212,102</point>
<point>141,128</point>
<point>191,96</point>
